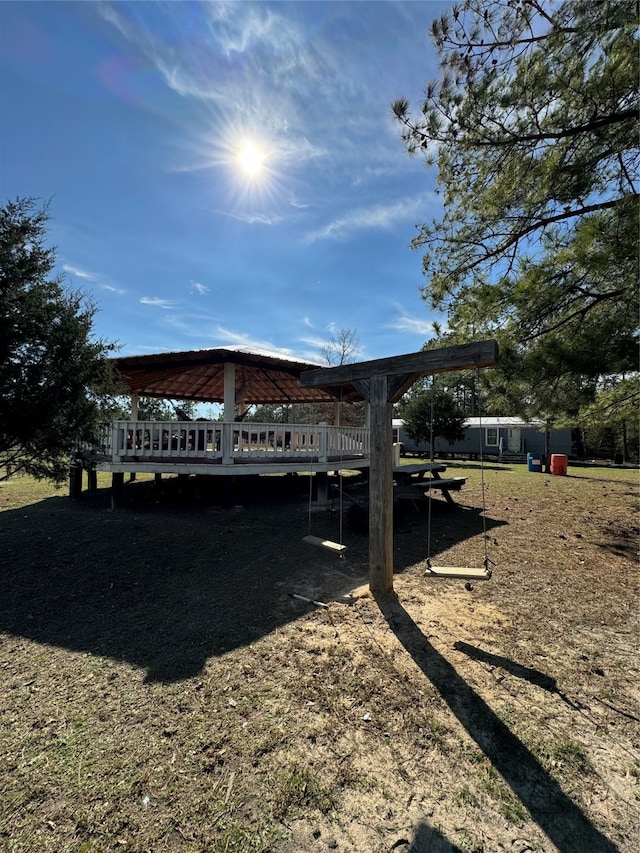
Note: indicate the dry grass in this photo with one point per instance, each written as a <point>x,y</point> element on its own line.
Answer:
<point>160,690</point>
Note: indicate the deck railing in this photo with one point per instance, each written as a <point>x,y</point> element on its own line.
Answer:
<point>230,442</point>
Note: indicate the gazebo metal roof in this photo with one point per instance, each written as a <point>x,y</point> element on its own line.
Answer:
<point>261,377</point>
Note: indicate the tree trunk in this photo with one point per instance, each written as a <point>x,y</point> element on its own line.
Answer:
<point>547,450</point>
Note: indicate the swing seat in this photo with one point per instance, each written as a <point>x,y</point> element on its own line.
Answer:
<point>335,547</point>
<point>476,574</point>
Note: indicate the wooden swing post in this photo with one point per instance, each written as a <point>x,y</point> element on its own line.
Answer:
<point>381,383</point>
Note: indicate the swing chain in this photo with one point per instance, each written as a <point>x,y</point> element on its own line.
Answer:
<point>315,540</point>
<point>430,570</point>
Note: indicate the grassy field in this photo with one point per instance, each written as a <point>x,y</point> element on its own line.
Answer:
<point>161,691</point>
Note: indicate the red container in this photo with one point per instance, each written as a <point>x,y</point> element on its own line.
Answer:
<point>559,463</point>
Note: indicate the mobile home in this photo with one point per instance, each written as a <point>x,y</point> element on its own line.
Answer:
<point>504,436</point>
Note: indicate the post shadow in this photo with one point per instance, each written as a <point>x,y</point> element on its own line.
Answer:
<point>534,676</point>
<point>555,813</point>
<point>429,840</point>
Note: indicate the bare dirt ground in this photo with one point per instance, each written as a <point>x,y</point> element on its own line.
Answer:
<point>162,691</point>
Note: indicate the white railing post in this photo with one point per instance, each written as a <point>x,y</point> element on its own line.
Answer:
<point>227,443</point>
<point>323,444</point>
<point>117,440</point>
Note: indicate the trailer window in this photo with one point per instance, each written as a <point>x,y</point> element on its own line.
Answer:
<point>492,437</point>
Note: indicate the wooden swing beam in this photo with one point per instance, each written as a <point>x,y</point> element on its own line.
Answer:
<point>381,383</point>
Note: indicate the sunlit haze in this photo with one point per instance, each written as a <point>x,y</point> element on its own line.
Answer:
<point>226,174</point>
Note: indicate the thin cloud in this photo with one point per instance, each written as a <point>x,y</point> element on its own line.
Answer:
<point>156,302</point>
<point>80,273</point>
<point>255,218</point>
<point>299,205</point>
<point>230,338</point>
<point>273,45</point>
<point>193,325</point>
<point>315,342</point>
<point>413,325</point>
<point>89,275</point>
<point>313,355</point>
<point>379,217</point>
<point>197,287</point>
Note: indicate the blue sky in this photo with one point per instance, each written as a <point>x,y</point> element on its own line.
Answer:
<point>132,119</point>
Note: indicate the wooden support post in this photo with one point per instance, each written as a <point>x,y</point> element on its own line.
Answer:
<point>228,488</point>
<point>322,487</point>
<point>75,481</point>
<point>229,412</point>
<point>380,489</point>
<point>117,489</point>
<point>92,480</point>
<point>229,391</point>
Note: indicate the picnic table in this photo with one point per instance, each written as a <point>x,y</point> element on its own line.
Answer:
<point>413,485</point>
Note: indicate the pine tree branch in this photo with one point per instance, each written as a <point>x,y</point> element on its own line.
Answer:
<point>566,133</point>
<point>580,313</point>
<point>514,238</point>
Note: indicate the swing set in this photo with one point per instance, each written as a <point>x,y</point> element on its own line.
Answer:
<point>483,572</point>
<point>381,383</point>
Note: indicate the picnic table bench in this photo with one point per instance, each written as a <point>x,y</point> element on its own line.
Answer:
<point>412,484</point>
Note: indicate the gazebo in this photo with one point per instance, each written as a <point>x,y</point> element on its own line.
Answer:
<point>236,378</point>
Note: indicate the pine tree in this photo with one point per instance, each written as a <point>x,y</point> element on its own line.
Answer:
<point>52,371</point>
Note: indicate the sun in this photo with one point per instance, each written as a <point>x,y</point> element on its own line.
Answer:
<point>251,159</point>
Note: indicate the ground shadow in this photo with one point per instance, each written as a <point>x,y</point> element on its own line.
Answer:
<point>556,814</point>
<point>605,483</point>
<point>534,676</point>
<point>172,579</point>
<point>486,466</point>
<point>426,839</point>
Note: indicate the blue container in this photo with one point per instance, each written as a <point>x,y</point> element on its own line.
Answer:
<point>534,462</point>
